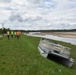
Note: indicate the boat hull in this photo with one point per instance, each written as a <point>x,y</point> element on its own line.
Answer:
<point>65,61</point>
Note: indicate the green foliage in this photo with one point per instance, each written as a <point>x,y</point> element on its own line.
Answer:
<point>3,31</point>
<point>62,30</point>
<point>21,57</point>
<point>0,31</point>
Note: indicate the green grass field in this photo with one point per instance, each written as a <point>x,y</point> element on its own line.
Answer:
<point>21,57</point>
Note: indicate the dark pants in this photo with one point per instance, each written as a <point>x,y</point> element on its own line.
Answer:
<point>12,36</point>
<point>8,36</point>
<point>17,36</point>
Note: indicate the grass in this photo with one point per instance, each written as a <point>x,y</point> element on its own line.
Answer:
<point>21,57</point>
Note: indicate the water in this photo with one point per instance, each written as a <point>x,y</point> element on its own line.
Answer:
<point>68,40</point>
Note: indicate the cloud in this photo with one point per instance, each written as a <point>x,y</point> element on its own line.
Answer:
<point>39,14</point>
<point>34,1</point>
<point>5,1</point>
<point>3,15</point>
<point>16,17</point>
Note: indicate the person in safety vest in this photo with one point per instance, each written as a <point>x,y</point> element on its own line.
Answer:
<point>8,35</point>
<point>17,34</point>
<point>12,34</point>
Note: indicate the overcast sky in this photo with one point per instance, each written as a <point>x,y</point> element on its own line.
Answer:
<point>38,14</point>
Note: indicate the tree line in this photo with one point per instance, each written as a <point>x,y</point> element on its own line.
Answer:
<point>4,30</point>
<point>65,30</point>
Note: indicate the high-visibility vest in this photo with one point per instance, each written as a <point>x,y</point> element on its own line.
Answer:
<point>12,33</point>
<point>8,33</point>
<point>17,33</point>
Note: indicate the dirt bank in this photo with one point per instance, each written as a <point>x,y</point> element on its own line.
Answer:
<point>60,34</point>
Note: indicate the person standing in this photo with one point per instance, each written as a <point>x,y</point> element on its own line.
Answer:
<point>12,34</point>
<point>8,35</point>
<point>17,34</point>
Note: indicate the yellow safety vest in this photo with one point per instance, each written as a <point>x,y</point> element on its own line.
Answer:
<point>8,33</point>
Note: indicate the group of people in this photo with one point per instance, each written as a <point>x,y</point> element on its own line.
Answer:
<point>12,34</point>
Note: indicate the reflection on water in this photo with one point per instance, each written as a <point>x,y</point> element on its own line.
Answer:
<point>68,40</point>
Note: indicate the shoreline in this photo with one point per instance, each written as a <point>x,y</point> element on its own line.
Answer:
<point>60,34</point>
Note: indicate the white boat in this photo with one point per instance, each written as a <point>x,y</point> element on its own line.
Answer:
<point>55,51</point>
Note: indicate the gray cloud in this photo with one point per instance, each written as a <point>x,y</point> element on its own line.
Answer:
<point>34,1</point>
<point>35,19</point>
<point>38,14</point>
<point>5,1</point>
<point>20,19</point>
<point>16,17</point>
<point>6,8</point>
<point>72,0</point>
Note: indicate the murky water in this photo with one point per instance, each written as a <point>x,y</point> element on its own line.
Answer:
<point>68,40</point>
